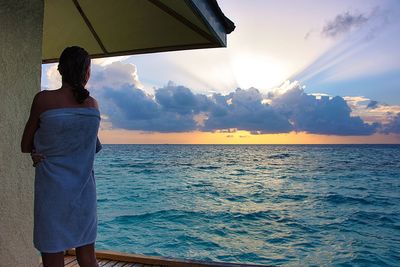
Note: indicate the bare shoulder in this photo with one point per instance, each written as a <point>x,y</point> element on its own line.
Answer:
<point>44,98</point>
<point>92,102</point>
<point>39,104</point>
<point>40,98</point>
<point>45,94</point>
<point>41,94</point>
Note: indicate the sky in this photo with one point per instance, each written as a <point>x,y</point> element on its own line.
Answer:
<point>293,72</point>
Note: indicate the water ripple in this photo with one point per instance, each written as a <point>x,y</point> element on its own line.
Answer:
<point>319,205</point>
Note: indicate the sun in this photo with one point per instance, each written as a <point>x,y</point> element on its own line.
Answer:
<point>259,71</point>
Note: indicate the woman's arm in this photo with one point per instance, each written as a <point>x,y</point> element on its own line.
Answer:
<point>31,126</point>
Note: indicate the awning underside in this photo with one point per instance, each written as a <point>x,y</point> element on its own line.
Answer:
<point>123,27</point>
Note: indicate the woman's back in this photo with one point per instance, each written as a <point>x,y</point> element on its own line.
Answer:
<point>63,119</point>
<point>69,131</point>
<point>62,98</point>
<point>65,188</point>
<point>61,135</point>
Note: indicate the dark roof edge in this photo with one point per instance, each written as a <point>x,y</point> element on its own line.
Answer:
<point>227,23</point>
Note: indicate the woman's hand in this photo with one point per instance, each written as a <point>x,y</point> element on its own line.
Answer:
<point>36,158</point>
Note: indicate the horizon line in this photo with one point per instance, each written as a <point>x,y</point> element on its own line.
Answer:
<point>273,144</point>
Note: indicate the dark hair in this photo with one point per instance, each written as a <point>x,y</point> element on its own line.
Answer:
<point>73,65</point>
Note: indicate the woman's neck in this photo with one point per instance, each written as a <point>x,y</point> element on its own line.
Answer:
<point>66,86</point>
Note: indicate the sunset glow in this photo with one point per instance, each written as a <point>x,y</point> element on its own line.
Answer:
<point>257,71</point>
<point>285,77</point>
<point>239,137</point>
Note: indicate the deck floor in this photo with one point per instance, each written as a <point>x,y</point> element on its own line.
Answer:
<point>70,261</point>
<point>120,259</point>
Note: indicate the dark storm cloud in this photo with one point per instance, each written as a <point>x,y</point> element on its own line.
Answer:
<point>393,126</point>
<point>244,110</point>
<point>131,102</point>
<point>131,108</point>
<point>175,108</point>
<point>320,116</point>
<point>343,23</point>
<point>181,100</point>
<point>372,104</point>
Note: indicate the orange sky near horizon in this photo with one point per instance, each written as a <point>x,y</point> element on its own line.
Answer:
<point>239,137</point>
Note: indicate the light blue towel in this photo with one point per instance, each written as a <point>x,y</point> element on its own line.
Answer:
<point>65,209</point>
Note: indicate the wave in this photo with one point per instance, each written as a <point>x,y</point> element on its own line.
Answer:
<point>372,216</point>
<point>239,172</point>
<point>173,214</point>
<point>291,202</point>
<point>141,165</point>
<point>144,171</point>
<point>210,167</point>
<point>295,197</point>
<point>279,156</point>
<point>168,213</point>
<point>237,198</point>
<point>341,199</point>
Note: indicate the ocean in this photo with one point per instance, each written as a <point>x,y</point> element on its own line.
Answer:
<point>291,205</point>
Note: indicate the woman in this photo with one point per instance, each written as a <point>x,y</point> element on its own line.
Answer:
<point>61,135</point>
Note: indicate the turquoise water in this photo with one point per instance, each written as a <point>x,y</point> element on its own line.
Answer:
<point>292,205</point>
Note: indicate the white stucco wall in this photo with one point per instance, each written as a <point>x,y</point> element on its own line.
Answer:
<point>20,66</point>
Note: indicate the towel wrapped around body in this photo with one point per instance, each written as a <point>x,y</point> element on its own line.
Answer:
<point>65,208</point>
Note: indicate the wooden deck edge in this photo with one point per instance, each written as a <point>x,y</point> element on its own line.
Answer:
<point>154,260</point>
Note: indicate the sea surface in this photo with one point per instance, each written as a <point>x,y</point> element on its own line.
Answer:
<point>290,205</point>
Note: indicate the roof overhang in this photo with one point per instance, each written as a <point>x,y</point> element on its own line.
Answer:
<point>125,27</point>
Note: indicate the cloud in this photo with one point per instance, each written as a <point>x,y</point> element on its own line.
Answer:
<point>320,114</point>
<point>244,110</point>
<point>176,108</point>
<point>104,73</point>
<point>371,111</point>
<point>393,126</point>
<point>372,33</point>
<point>109,60</point>
<point>343,23</point>
<point>53,77</point>
<point>131,108</point>
<point>307,35</point>
<point>181,100</point>
<point>372,104</point>
<point>385,117</point>
<point>113,75</point>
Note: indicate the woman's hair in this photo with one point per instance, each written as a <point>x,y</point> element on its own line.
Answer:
<point>73,65</point>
